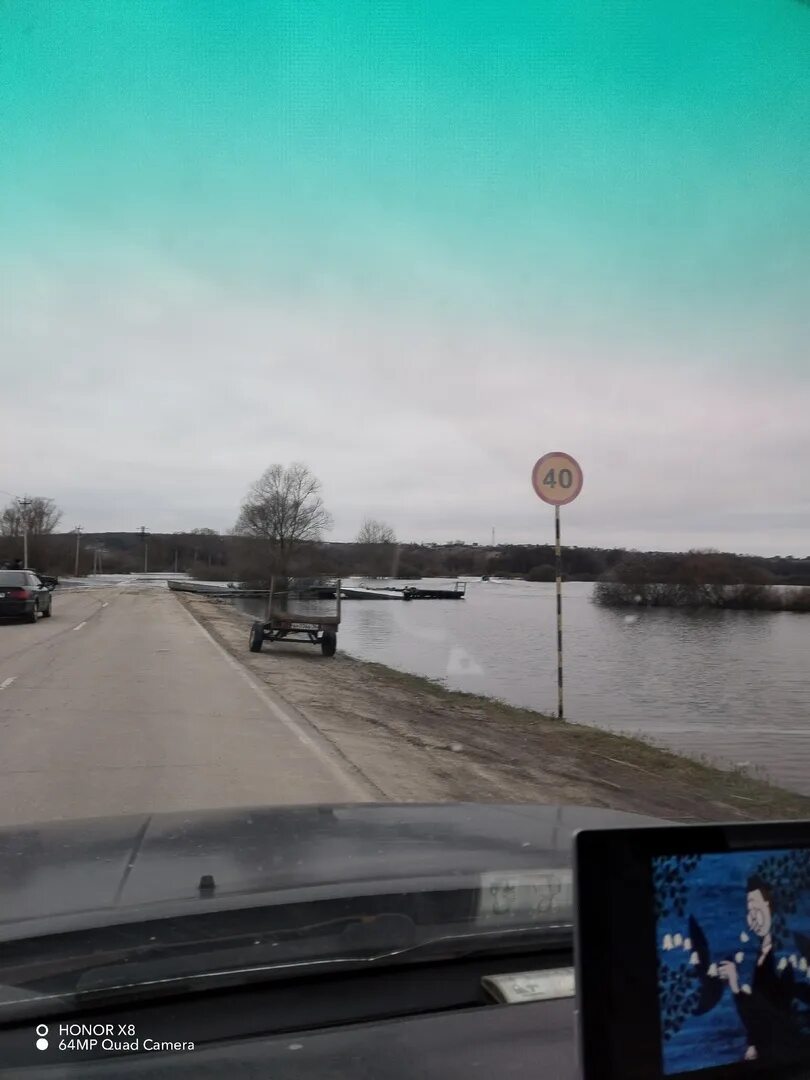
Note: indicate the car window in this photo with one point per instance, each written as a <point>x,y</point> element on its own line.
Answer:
<point>12,577</point>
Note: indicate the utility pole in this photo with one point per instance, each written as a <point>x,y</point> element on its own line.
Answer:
<point>78,531</point>
<point>493,536</point>
<point>24,504</point>
<point>145,534</point>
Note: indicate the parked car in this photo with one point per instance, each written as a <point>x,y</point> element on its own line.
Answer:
<point>22,593</point>
<point>17,564</point>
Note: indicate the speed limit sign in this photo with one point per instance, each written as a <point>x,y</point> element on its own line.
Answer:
<point>557,478</point>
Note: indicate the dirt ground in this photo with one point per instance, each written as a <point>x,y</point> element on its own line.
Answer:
<point>414,741</point>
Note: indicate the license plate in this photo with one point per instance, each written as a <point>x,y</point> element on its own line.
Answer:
<point>303,626</point>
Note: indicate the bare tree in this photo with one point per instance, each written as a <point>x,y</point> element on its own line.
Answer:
<point>284,507</point>
<point>375,532</point>
<point>37,516</point>
<point>377,549</point>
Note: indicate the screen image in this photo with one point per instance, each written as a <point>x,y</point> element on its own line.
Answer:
<point>733,956</point>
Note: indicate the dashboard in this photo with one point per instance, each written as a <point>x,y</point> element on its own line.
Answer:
<point>430,1021</point>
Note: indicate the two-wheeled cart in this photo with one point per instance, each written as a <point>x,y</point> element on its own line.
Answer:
<point>299,610</point>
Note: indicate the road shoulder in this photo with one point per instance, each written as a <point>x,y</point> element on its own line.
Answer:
<point>416,741</point>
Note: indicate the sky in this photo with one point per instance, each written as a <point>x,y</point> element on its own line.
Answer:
<point>414,245</point>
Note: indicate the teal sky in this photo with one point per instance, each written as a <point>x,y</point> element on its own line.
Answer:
<point>597,206</point>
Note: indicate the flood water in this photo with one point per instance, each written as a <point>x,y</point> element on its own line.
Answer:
<point>731,685</point>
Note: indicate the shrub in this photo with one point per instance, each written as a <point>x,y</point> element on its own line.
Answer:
<point>542,573</point>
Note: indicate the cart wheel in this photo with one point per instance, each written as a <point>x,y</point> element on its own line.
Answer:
<point>256,639</point>
<point>329,643</point>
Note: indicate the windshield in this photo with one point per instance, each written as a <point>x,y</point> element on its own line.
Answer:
<point>409,409</point>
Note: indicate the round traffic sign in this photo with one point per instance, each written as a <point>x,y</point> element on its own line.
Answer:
<point>557,478</point>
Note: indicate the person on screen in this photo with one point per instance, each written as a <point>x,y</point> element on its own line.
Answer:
<point>765,1007</point>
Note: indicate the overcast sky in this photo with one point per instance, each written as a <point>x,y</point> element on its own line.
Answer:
<point>415,245</point>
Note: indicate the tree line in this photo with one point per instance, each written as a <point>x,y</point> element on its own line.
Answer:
<point>700,579</point>
<point>281,529</point>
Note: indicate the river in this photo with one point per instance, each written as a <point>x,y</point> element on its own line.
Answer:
<point>732,686</point>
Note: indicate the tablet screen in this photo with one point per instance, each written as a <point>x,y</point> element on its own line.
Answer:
<point>733,945</point>
<point>693,951</point>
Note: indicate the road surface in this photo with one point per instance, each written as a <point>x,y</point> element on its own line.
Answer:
<point>122,703</point>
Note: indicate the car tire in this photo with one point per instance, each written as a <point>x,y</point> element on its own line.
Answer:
<point>256,639</point>
<point>32,615</point>
<point>329,643</point>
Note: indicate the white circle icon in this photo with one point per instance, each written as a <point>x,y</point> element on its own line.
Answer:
<point>42,1029</point>
<point>42,1044</point>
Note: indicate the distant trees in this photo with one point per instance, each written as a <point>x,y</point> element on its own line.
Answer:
<point>284,507</point>
<point>37,516</point>
<point>546,572</point>
<point>375,532</point>
<point>205,546</point>
<point>377,551</point>
<point>696,579</point>
<point>579,563</point>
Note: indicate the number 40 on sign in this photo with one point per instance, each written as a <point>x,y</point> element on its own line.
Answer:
<point>557,478</point>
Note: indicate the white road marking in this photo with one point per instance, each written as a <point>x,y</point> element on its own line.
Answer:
<point>105,603</point>
<point>7,682</point>
<point>81,624</point>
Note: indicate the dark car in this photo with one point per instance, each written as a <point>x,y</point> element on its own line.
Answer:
<point>22,593</point>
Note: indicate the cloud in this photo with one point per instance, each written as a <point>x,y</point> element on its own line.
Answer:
<point>161,394</point>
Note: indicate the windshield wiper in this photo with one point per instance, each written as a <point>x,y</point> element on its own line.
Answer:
<point>146,980</point>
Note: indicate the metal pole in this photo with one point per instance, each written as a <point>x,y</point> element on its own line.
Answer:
<point>76,562</point>
<point>143,533</point>
<point>558,559</point>
<point>24,504</point>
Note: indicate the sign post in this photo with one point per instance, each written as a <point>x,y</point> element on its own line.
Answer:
<point>557,480</point>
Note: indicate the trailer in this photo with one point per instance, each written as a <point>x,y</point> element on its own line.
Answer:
<point>294,613</point>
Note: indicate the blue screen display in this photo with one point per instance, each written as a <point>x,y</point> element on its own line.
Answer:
<point>733,958</point>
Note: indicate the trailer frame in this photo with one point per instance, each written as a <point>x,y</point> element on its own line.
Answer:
<point>305,627</point>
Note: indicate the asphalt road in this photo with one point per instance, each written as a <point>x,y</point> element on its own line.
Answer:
<point>122,703</point>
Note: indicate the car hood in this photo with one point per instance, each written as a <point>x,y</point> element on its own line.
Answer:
<point>62,875</point>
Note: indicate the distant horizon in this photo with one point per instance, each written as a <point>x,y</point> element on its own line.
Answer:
<point>483,546</point>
